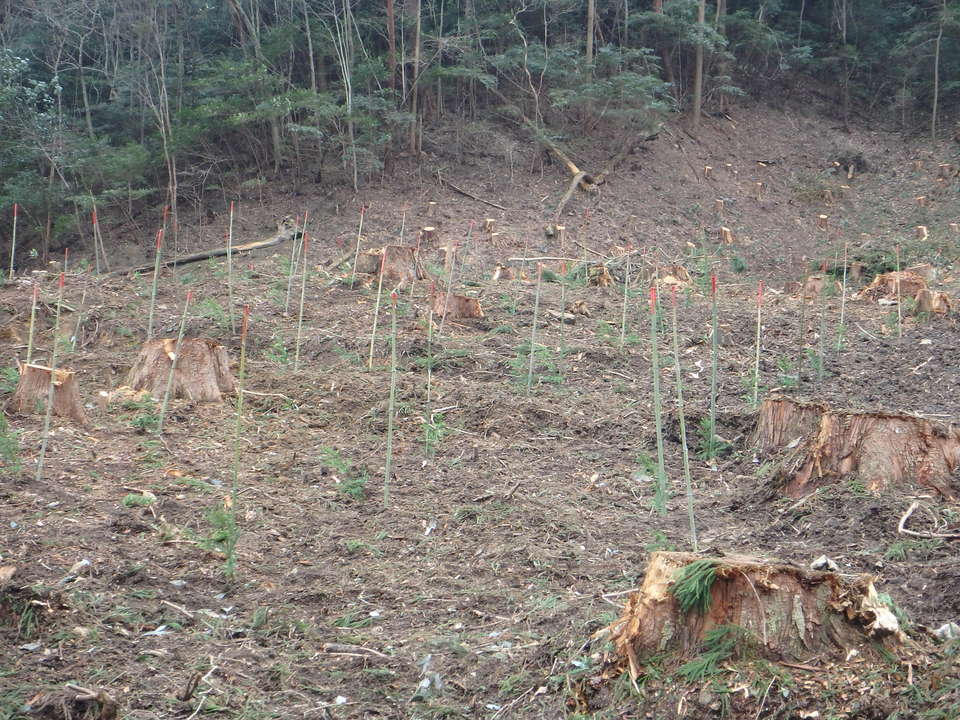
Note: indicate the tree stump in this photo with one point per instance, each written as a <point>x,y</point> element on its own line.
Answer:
<point>502,272</point>
<point>922,201</point>
<point>33,388</point>
<point>922,233</point>
<point>932,302</point>
<point>455,306</point>
<point>489,224</point>
<point>428,234</point>
<point>880,449</point>
<point>771,609</point>
<point>718,208</point>
<point>885,285</point>
<point>726,236</point>
<point>401,265</point>
<point>369,261</point>
<point>822,221</point>
<point>202,373</point>
<point>707,171</point>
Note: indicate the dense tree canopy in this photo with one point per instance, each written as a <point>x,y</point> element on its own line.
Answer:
<point>102,102</point>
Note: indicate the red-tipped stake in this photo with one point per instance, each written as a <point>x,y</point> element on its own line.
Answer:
<point>303,295</point>
<point>356,253</point>
<point>233,324</point>
<point>173,363</point>
<point>391,403</point>
<point>233,532</point>
<point>13,241</point>
<point>53,377</point>
<point>687,480</point>
<point>153,290</point>
<point>33,317</point>
<point>660,496</point>
<point>756,360</point>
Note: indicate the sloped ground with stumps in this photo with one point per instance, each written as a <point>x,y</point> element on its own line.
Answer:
<point>515,523</point>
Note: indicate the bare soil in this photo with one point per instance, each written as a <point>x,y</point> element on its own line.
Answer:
<point>471,590</point>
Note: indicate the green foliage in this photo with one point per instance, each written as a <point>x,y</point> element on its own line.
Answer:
<point>10,463</point>
<point>545,367</point>
<point>719,644</point>
<point>137,500</point>
<point>350,480</point>
<point>9,378</point>
<point>692,583</point>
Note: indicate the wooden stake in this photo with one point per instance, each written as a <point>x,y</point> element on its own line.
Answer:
<point>13,242</point>
<point>756,362</point>
<point>707,171</point>
<point>52,386</point>
<point>353,274</point>
<point>233,323</point>
<point>156,274</point>
<point>173,361</point>
<point>759,190</point>
<point>303,294</point>
<point>33,317</point>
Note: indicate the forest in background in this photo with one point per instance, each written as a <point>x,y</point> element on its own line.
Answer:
<point>116,107</point>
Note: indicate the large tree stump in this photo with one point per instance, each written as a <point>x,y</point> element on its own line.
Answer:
<point>33,389</point>
<point>202,373</point>
<point>885,285</point>
<point>455,306</point>
<point>401,265</point>
<point>778,611</point>
<point>880,449</point>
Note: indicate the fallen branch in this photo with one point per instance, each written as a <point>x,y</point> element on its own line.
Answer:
<point>902,527</point>
<point>356,650</point>
<point>281,236</point>
<point>470,195</point>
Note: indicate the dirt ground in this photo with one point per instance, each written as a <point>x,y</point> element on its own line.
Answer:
<point>469,585</point>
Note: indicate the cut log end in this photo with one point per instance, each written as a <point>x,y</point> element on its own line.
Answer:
<point>202,371</point>
<point>455,306</point>
<point>428,234</point>
<point>33,389</point>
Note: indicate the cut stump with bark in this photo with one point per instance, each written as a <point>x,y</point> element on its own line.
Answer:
<point>33,389</point>
<point>885,285</point>
<point>455,306</point>
<point>778,611</point>
<point>882,450</point>
<point>401,265</point>
<point>202,372</point>
<point>932,302</point>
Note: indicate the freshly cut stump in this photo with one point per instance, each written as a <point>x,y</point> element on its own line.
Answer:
<point>202,373</point>
<point>885,285</point>
<point>32,391</point>
<point>369,261</point>
<point>881,449</point>
<point>778,611</point>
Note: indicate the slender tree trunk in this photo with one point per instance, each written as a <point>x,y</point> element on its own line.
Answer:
<point>413,81</point>
<point>698,68</point>
<point>88,120</point>
<point>391,46</point>
<point>665,54</point>
<point>591,29</point>
<point>936,74</point>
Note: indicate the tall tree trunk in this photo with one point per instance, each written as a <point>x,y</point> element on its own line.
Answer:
<point>665,53</point>
<point>936,74</point>
<point>391,46</point>
<point>591,29</point>
<point>698,68</point>
<point>413,81</point>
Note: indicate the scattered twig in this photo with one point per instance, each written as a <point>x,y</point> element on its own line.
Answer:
<point>356,650</point>
<point>902,527</point>
<point>444,181</point>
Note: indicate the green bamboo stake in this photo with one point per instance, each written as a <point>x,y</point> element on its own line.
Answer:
<point>376,311</point>
<point>298,233</point>
<point>76,327</point>
<point>173,364</point>
<point>33,317</point>
<point>303,295</point>
<point>429,409</point>
<point>563,306</point>
<point>756,361</point>
<point>356,253</point>
<point>623,315</point>
<point>233,322</point>
<point>53,378</point>
<point>714,366</point>
<point>96,245</point>
<point>660,496</point>
<point>899,299</point>
<point>13,241</point>
<point>233,532</point>
<point>821,355</point>
<point>843,302</point>
<point>450,275</point>
<point>533,329</point>
<point>687,479</point>
<point>153,290</point>
<point>391,404</point>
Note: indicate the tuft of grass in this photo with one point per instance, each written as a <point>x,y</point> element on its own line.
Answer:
<point>692,584</point>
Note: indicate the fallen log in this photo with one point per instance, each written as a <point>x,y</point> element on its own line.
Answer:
<point>882,450</point>
<point>283,235</point>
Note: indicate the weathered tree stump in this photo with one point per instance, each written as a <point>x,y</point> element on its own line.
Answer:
<point>428,234</point>
<point>599,276</point>
<point>401,265</point>
<point>33,389</point>
<point>772,609</point>
<point>202,372</point>
<point>369,261</point>
<point>922,233</point>
<point>456,306</point>
<point>489,224</point>
<point>881,449</point>
<point>823,222</point>
<point>932,302</point>
<point>726,236</point>
<point>502,272</point>
<point>885,285</point>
